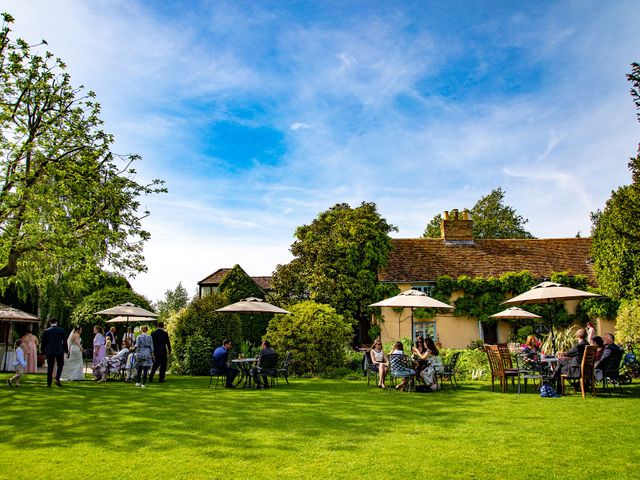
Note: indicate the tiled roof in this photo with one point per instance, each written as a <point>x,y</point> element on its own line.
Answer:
<point>265,283</point>
<point>425,259</point>
<point>216,277</point>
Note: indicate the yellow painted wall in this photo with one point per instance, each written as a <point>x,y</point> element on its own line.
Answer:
<point>504,329</point>
<point>605,326</point>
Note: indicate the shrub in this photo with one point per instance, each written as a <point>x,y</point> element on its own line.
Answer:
<point>316,335</point>
<point>200,318</point>
<point>197,355</point>
<point>563,339</point>
<point>84,313</point>
<point>472,363</point>
<point>628,322</point>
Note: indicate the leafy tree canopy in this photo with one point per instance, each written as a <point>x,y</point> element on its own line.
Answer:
<point>68,204</point>
<point>174,301</point>
<point>491,219</point>
<point>628,322</point>
<point>337,258</point>
<point>616,229</point>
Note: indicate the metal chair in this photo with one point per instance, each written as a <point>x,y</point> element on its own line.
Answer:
<point>527,370</point>
<point>215,372</point>
<point>449,370</point>
<point>267,368</point>
<point>400,367</point>
<point>370,368</point>
<point>283,369</point>
<point>611,373</point>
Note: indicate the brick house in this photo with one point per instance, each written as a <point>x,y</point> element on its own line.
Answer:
<point>417,263</point>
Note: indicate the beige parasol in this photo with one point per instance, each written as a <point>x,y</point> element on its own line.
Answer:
<point>251,305</point>
<point>549,292</point>
<point>515,313</point>
<point>411,299</point>
<point>13,315</point>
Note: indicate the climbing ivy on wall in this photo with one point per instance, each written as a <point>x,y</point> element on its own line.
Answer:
<point>482,297</point>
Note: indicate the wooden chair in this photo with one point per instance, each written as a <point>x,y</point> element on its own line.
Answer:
<point>507,362</point>
<point>587,377</point>
<point>497,368</point>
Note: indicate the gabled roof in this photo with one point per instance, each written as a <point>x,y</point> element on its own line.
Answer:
<point>426,259</point>
<point>265,283</point>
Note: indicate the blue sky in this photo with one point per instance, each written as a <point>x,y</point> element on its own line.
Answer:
<point>261,114</point>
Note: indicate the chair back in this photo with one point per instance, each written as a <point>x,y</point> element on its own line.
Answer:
<point>495,362</point>
<point>269,361</point>
<point>588,361</point>
<point>505,356</point>
<point>398,361</point>
<point>453,361</point>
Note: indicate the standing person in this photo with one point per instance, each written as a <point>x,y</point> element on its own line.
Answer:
<point>220,358</point>
<point>54,346</point>
<point>74,366</point>
<point>128,336</point>
<point>30,347</point>
<point>161,352</point>
<point>19,364</point>
<point>111,336</point>
<point>267,364</point>
<point>99,345</point>
<point>144,356</point>
<point>591,332</point>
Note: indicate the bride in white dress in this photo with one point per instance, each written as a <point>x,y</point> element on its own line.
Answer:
<point>73,365</point>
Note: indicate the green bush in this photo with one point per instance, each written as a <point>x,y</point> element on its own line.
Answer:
<point>200,318</point>
<point>472,363</point>
<point>628,322</point>
<point>84,313</point>
<point>314,333</point>
<point>197,355</point>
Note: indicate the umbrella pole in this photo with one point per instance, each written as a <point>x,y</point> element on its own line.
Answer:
<point>6,350</point>
<point>411,327</point>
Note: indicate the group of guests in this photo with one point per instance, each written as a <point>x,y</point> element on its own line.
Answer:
<point>607,358</point>
<point>266,364</point>
<point>426,362</point>
<point>65,356</point>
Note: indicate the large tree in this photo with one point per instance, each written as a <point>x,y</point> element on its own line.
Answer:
<point>616,229</point>
<point>174,301</point>
<point>68,204</point>
<point>337,258</point>
<point>491,219</point>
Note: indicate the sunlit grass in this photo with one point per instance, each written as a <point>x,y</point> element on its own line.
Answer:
<point>310,429</point>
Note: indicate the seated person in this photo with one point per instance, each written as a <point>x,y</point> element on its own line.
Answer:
<point>609,362</point>
<point>267,364</point>
<point>379,362</point>
<point>398,349</point>
<point>433,365</point>
<point>531,354</point>
<point>598,342</point>
<point>574,355</point>
<point>219,361</point>
<point>419,352</point>
<point>111,362</point>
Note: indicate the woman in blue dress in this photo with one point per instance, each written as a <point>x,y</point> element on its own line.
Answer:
<point>144,356</point>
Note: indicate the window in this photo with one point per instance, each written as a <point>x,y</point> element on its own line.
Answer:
<point>423,288</point>
<point>426,329</point>
<point>205,291</point>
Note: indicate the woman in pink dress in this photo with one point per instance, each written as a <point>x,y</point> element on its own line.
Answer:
<point>30,347</point>
<point>99,345</point>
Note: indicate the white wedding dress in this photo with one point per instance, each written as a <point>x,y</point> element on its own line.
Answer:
<point>73,365</point>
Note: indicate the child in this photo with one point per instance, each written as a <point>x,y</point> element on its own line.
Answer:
<point>19,364</point>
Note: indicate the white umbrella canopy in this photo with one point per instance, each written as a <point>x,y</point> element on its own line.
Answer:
<point>122,319</point>
<point>252,305</point>
<point>549,292</point>
<point>127,310</point>
<point>411,299</point>
<point>15,315</point>
<point>515,313</point>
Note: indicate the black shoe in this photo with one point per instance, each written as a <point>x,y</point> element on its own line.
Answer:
<point>58,383</point>
<point>9,382</point>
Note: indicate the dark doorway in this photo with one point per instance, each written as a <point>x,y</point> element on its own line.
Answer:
<point>490,333</point>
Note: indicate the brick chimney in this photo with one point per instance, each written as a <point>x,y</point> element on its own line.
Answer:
<point>456,227</point>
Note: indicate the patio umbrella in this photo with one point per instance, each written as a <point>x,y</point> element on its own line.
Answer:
<point>515,313</point>
<point>128,311</point>
<point>251,305</point>
<point>549,292</point>
<point>411,299</point>
<point>13,315</point>
<point>122,319</point>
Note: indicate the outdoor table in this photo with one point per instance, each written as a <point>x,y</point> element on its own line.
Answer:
<point>244,366</point>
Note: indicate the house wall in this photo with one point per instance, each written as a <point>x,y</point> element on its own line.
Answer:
<point>504,330</point>
<point>605,326</point>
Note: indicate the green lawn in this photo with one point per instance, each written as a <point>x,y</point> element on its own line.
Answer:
<point>311,429</point>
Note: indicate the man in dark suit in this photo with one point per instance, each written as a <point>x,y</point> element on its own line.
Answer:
<point>267,365</point>
<point>54,346</point>
<point>161,350</point>
<point>574,354</point>
<point>609,362</point>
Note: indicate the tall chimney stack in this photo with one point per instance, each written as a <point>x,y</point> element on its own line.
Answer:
<point>456,228</point>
